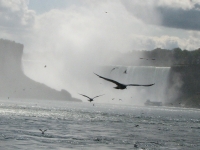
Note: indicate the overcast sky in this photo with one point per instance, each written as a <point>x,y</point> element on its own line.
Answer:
<point>67,32</point>
<point>127,25</point>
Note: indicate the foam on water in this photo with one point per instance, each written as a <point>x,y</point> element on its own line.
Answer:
<point>103,126</point>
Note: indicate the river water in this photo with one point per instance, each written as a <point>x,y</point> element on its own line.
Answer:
<point>102,126</point>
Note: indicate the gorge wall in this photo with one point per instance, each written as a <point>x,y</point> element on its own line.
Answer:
<point>14,84</point>
<point>184,82</point>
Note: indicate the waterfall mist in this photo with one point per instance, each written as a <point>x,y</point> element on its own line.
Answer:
<point>77,76</point>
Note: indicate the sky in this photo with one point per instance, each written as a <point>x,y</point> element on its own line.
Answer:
<point>71,37</point>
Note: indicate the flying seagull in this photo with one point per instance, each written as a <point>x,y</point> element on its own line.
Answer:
<point>114,68</point>
<point>125,72</point>
<point>148,59</point>
<point>120,85</point>
<point>42,131</point>
<point>90,99</point>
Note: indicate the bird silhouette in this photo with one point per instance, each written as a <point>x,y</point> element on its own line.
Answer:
<point>120,85</point>
<point>148,59</point>
<point>113,69</point>
<point>135,145</point>
<point>43,130</point>
<point>89,98</point>
<point>125,72</point>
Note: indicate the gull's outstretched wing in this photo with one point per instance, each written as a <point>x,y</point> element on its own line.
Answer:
<point>84,95</point>
<point>98,96</point>
<point>40,129</point>
<point>114,68</point>
<point>140,84</point>
<point>113,81</point>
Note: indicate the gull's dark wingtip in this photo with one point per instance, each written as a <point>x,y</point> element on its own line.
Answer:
<point>96,74</point>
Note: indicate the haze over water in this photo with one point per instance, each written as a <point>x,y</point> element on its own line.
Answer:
<point>103,126</point>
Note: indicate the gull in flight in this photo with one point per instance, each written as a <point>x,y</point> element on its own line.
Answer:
<point>120,85</point>
<point>114,68</point>
<point>125,72</point>
<point>42,131</point>
<point>89,98</point>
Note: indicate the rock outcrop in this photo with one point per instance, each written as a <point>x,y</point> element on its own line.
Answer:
<point>14,84</point>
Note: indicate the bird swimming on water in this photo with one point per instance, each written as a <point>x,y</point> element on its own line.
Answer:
<point>120,85</point>
<point>89,98</point>
<point>43,130</point>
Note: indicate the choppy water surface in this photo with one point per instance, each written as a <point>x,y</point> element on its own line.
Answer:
<point>84,126</point>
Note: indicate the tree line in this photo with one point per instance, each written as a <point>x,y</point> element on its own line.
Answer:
<point>162,57</point>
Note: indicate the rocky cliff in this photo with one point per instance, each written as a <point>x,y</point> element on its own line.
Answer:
<point>184,81</point>
<point>14,84</point>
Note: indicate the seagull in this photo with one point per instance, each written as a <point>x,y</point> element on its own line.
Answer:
<point>42,131</point>
<point>125,72</point>
<point>148,59</point>
<point>135,145</point>
<point>114,68</point>
<point>90,99</point>
<point>120,85</point>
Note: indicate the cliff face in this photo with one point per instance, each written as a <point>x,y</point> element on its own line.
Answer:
<point>14,84</point>
<point>10,54</point>
<point>186,81</point>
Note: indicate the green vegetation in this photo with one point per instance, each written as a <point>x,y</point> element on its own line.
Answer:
<point>163,57</point>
